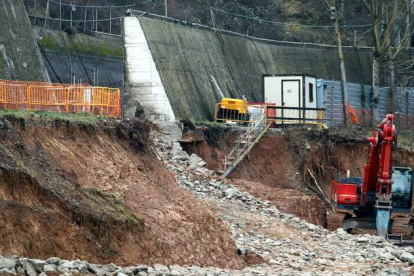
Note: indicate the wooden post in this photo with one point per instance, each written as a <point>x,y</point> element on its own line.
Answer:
<point>96,21</point>
<point>47,13</point>
<point>110,20</point>
<point>35,8</point>
<point>122,27</point>
<point>60,14</point>
<point>166,8</point>
<point>84,20</point>
<point>355,38</point>
<point>71,13</point>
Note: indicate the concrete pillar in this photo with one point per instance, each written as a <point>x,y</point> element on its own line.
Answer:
<point>142,80</point>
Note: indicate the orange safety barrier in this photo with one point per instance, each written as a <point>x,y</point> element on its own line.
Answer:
<point>17,95</point>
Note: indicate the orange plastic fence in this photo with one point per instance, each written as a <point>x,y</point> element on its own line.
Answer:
<point>62,98</point>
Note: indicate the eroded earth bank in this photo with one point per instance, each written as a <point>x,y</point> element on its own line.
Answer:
<point>121,198</point>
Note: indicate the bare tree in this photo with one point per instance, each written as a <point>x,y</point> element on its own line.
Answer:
<point>335,9</point>
<point>388,23</point>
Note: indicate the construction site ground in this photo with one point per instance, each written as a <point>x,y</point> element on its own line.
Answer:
<point>112,197</point>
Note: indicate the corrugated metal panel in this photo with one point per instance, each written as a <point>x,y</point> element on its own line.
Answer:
<point>355,95</point>
<point>334,103</point>
<point>384,102</point>
<point>360,97</point>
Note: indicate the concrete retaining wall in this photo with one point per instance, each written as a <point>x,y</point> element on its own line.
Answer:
<point>95,60</point>
<point>187,56</point>
<point>19,54</point>
<point>143,82</point>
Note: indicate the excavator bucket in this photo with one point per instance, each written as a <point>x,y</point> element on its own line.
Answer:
<point>383,221</point>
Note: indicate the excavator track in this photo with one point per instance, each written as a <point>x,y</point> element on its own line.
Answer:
<point>336,220</point>
<point>403,225</point>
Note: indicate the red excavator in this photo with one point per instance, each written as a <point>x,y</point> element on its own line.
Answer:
<point>382,199</point>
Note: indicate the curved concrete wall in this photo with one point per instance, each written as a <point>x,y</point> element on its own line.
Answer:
<point>186,57</point>
<point>19,54</point>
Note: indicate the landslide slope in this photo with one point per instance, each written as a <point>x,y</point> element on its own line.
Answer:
<point>99,193</point>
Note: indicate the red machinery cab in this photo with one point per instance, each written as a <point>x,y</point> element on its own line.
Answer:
<point>344,193</point>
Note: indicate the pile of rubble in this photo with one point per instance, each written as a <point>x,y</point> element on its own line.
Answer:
<point>316,252</point>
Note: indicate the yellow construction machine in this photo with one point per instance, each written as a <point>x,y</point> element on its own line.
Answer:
<point>232,110</point>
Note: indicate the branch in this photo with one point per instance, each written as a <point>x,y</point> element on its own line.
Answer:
<point>371,12</point>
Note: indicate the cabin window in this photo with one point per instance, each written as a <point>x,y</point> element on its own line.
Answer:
<point>311,92</point>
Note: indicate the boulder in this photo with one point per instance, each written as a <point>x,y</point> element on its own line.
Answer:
<point>161,268</point>
<point>37,264</point>
<point>407,257</point>
<point>50,268</point>
<point>230,193</point>
<point>7,263</point>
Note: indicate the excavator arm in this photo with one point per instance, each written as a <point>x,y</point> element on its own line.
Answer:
<point>378,172</point>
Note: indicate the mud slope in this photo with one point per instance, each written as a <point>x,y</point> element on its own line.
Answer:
<point>99,193</point>
<point>272,171</point>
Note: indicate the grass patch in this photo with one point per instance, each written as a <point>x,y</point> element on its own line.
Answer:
<point>50,43</point>
<point>47,115</point>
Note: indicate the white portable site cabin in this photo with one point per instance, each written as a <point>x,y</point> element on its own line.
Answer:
<point>298,92</point>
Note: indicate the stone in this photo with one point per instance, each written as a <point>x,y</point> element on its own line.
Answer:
<point>407,257</point>
<point>140,268</point>
<point>8,271</point>
<point>111,267</point>
<point>121,274</point>
<point>50,268</point>
<point>129,271</point>
<point>66,266</point>
<point>7,263</point>
<point>97,269</point>
<point>230,193</point>
<point>37,264</point>
<point>53,260</point>
<point>161,268</point>
<point>340,231</point>
<point>42,274</point>
<point>177,270</point>
<point>362,239</point>
<point>30,271</point>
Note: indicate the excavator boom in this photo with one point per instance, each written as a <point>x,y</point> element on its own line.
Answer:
<point>371,198</point>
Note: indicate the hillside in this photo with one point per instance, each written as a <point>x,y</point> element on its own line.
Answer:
<point>308,12</point>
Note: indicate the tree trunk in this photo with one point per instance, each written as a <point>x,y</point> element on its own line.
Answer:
<point>375,89</point>
<point>342,65</point>
<point>393,87</point>
<point>409,21</point>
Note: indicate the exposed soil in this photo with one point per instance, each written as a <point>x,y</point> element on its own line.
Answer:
<point>99,193</point>
<point>273,171</point>
<point>289,167</point>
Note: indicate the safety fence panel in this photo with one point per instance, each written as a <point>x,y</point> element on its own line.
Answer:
<point>13,96</point>
<point>48,98</point>
<point>60,98</point>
